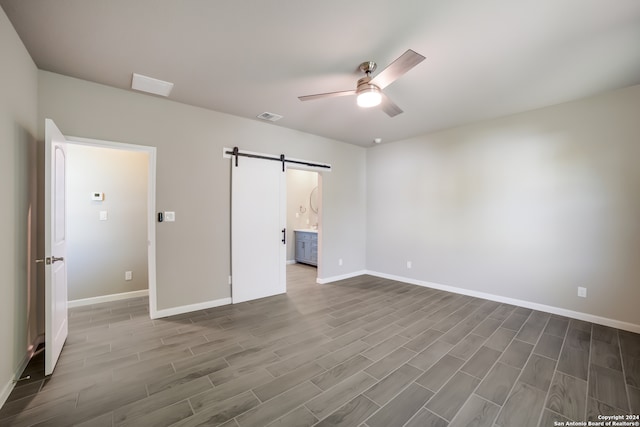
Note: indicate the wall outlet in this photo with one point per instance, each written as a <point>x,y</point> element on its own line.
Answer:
<point>582,292</point>
<point>128,275</point>
<point>409,264</point>
<point>340,261</point>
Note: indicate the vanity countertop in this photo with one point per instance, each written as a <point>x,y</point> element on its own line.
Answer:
<point>306,230</point>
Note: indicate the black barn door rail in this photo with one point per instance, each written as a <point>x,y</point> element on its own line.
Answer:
<point>236,152</point>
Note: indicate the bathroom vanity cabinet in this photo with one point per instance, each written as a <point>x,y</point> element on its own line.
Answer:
<point>307,247</point>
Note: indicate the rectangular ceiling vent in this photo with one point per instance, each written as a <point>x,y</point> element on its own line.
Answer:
<point>151,85</point>
<point>269,117</point>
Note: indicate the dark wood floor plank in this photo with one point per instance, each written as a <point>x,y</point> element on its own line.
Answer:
<point>522,408</point>
<point>481,362</point>
<point>351,413</point>
<point>163,417</point>
<point>500,339</point>
<point>549,346</point>
<point>538,372</point>
<point>568,396</point>
<point>400,409</point>
<point>341,372</point>
<point>300,417</point>
<point>498,383</point>
<point>426,418</point>
<point>329,401</point>
<point>285,382</point>
<point>127,413</point>
<point>390,363</point>
<point>574,361</point>
<point>468,346</point>
<point>255,378</point>
<point>430,355</point>
<point>273,409</point>
<point>476,412</point>
<point>436,376</point>
<point>448,401</point>
<point>390,386</point>
<point>222,411</point>
<point>607,385</point>
<point>517,353</point>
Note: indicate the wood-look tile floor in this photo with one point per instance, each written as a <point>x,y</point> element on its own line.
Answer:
<point>361,352</point>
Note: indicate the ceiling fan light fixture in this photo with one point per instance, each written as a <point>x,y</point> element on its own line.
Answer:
<point>369,97</point>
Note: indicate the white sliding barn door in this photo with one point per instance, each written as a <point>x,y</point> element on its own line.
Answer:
<point>258,221</point>
<point>56,322</point>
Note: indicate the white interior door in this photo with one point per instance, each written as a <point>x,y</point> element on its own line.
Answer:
<point>258,221</point>
<point>56,322</point>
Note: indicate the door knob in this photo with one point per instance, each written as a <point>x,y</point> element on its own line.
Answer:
<point>54,259</point>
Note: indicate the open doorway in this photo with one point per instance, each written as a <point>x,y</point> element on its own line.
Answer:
<point>259,232</point>
<point>107,192</point>
<point>303,217</point>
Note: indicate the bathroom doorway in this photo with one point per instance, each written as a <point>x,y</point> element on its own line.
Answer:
<point>303,217</point>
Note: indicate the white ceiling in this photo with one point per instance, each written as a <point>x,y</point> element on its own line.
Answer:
<point>485,58</point>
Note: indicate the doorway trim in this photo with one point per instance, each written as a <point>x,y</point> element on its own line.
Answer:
<point>151,207</point>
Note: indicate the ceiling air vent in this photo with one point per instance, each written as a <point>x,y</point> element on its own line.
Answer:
<point>151,85</point>
<point>269,117</point>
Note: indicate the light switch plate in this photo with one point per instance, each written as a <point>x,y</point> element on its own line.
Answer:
<point>169,216</point>
<point>104,216</point>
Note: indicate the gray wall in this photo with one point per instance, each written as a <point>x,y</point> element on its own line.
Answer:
<point>99,252</point>
<point>193,256</point>
<point>299,186</point>
<point>19,321</point>
<point>529,206</point>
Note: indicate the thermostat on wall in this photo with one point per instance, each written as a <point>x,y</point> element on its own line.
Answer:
<point>97,196</point>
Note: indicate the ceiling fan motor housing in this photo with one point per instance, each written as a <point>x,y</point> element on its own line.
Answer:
<point>365,86</point>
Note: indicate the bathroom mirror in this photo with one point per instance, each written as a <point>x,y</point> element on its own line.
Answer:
<point>313,200</point>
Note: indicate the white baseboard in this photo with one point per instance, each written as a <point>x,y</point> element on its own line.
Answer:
<point>631,327</point>
<point>341,277</point>
<point>189,308</point>
<point>291,261</point>
<point>107,298</point>
<point>8,387</point>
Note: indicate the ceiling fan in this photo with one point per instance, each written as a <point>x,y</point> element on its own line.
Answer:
<point>369,90</point>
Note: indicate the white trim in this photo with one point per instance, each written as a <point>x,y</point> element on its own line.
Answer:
<point>107,298</point>
<point>8,388</point>
<point>341,277</point>
<point>151,204</point>
<point>631,327</point>
<point>189,308</point>
<point>291,261</point>
<point>6,391</point>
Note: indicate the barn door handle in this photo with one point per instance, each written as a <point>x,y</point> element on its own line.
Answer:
<point>284,236</point>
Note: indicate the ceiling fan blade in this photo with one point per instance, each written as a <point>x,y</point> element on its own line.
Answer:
<point>327,95</point>
<point>389,107</point>
<point>397,68</point>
